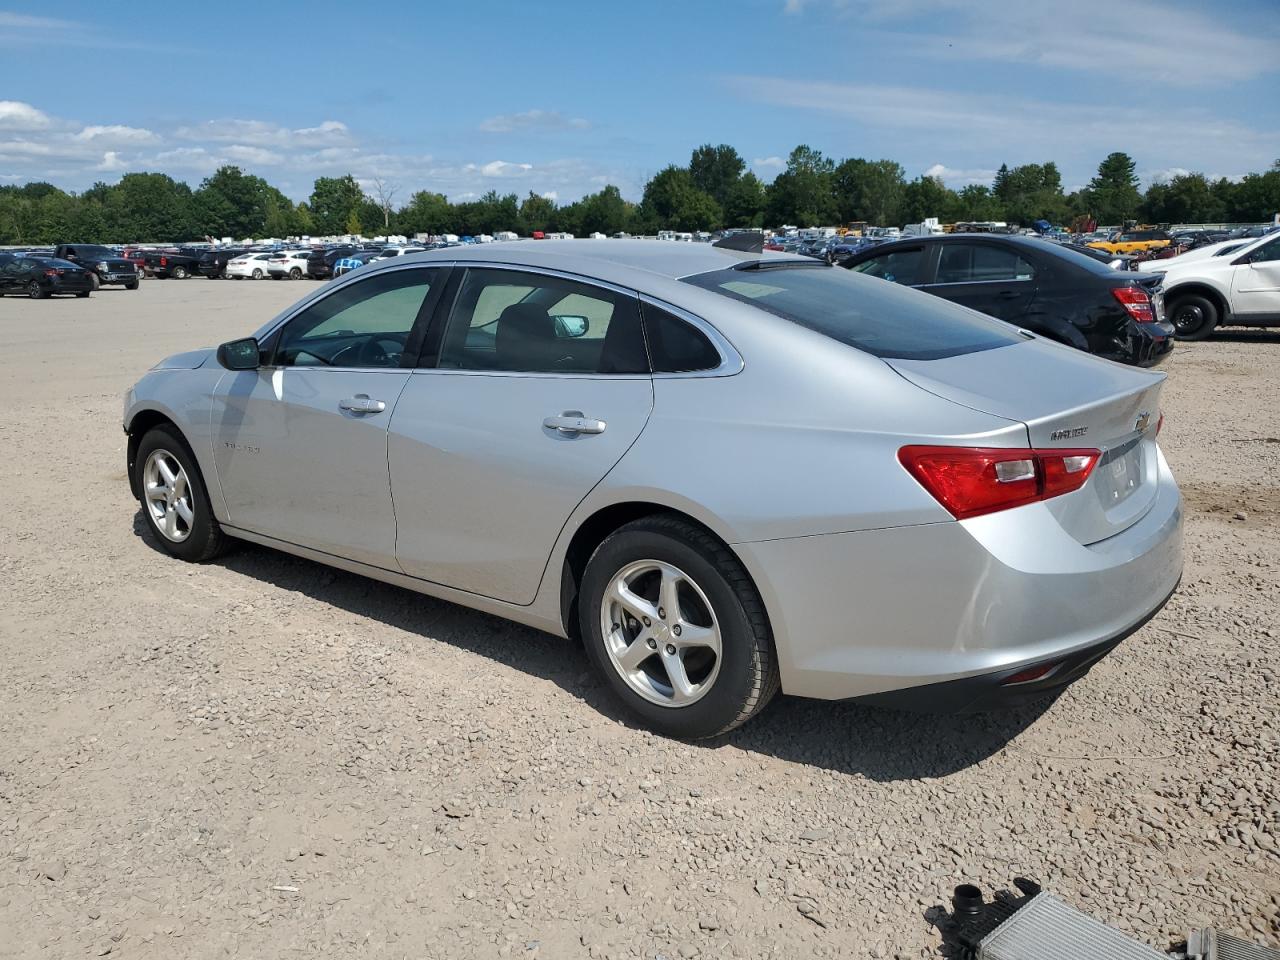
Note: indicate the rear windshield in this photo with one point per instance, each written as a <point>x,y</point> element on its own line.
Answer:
<point>884,319</point>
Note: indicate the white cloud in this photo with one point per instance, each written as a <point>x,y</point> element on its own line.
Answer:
<point>549,120</point>
<point>953,177</point>
<point>114,133</point>
<point>768,163</point>
<point>262,133</point>
<point>16,115</point>
<point>1025,129</point>
<point>501,168</point>
<point>111,161</point>
<point>551,195</point>
<point>252,155</point>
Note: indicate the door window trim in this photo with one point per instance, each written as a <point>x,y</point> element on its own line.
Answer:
<point>413,345</point>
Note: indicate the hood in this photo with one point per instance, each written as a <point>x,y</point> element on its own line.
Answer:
<point>191,360</point>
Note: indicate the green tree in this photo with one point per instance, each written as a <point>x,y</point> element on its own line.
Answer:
<point>231,203</point>
<point>334,202</point>
<point>353,225</point>
<point>715,170</point>
<point>427,212</point>
<point>151,207</point>
<point>672,201</point>
<point>604,212</point>
<point>977,203</point>
<point>744,206</point>
<point>1184,199</point>
<point>1113,193</point>
<point>536,213</point>
<point>1257,196</point>
<point>927,197</point>
<point>1031,192</point>
<point>802,194</point>
<point>869,190</point>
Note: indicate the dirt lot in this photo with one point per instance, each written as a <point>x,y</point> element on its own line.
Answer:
<point>267,758</point>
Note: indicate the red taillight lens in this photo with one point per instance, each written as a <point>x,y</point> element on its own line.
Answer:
<point>52,273</point>
<point>164,261</point>
<point>1030,675</point>
<point>971,481</point>
<point>1137,302</point>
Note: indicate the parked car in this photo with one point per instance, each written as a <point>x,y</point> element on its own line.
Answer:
<point>1221,249</point>
<point>320,262</point>
<point>105,267</point>
<point>41,277</point>
<point>1135,241</point>
<point>1116,261</point>
<point>1036,285</point>
<point>213,263</point>
<point>138,258</point>
<point>288,264</point>
<point>248,266</point>
<point>386,253</point>
<point>1240,289</point>
<point>730,472</point>
<point>176,264</point>
<point>353,261</point>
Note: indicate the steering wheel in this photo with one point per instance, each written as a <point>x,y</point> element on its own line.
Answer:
<point>382,350</point>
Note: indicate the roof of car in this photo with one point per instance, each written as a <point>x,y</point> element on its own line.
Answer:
<point>670,259</point>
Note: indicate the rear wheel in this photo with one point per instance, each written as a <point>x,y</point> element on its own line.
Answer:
<point>82,293</point>
<point>672,621</point>
<point>1194,317</point>
<point>179,272</point>
<point>174,498</point>
<point>295,274</point>
<point>35,291</point>
<point>257,273</point>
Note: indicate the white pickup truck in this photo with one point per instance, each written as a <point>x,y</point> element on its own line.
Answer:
<point>1240,289</point>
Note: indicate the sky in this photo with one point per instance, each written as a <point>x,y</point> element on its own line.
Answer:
<point>561,98</point>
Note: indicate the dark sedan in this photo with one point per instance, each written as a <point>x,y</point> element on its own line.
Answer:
<point>1040,286</point>
<point>320,263</point>
<point>40,277</point>
<point>213,263</point>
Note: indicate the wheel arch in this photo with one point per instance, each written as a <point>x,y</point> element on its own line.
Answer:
<point>590,532</point>
<point>140,423</point>
<point>1199,288</point>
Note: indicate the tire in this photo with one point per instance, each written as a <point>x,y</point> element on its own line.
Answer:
<point>131,284</point>
<point>94,281</point>
<point>35,291</point>
<point>295,274</point>
<point>179,272</point>
<point>1194,317</point>
<point>82,293</point>
<point>257,273</point>
<point>202,538</point>
<point>721,692</point>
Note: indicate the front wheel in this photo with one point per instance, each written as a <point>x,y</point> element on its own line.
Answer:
<point>94,282</point>
<point>35,291</point>
<point>174,498</point>
<point>673,623</point>
<point>82,293</point>
<point>131,284</point>
<point>1193,316</point>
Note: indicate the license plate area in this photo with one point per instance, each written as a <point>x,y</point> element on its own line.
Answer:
<point>1120,472</point>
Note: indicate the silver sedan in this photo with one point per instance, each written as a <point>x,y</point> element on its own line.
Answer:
<point>727,473</point>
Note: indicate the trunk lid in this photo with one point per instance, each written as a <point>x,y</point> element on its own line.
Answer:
<point>1066,399</point>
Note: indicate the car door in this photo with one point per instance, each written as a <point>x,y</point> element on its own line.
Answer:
<point>8,272</point>
<point>1255,284</point>
<point>300,445</point>
<point>538,386</point>
<point>989,277</point>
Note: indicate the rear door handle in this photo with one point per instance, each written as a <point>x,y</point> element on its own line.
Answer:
<point>1009,294</point>
<point>573,422</point>
<point>361,403</point>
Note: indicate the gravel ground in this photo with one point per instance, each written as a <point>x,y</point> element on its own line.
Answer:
<point>268,758</point>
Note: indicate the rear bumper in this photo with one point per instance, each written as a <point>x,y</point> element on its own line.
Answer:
<point>991,691</point>
<point>876,611</point>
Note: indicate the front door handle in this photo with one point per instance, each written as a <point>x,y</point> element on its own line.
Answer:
<point>573,422</point>
<point>361,403</point>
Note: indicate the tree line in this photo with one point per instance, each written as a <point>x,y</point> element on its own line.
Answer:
<point>714,190</point>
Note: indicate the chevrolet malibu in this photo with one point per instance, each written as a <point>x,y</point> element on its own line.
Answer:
<point>726,472</point>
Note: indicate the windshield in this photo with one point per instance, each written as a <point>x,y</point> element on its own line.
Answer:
<point>85,250</point>
<point>884,319</point>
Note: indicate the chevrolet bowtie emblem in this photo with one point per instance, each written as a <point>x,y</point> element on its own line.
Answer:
<point>1143,421</point>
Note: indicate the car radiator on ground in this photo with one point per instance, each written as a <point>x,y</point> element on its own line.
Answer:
<point>1039,926</point>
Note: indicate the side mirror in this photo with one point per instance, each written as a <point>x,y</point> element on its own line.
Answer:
<point>240,354</point>
<point>572,327</point>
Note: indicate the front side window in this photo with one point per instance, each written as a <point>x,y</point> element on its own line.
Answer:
<point>517,321</point>
<point>364,324</point>
<point>1266,252</point>
<point>882,319</point>
<point>980,263</point>
<point>897,266</point>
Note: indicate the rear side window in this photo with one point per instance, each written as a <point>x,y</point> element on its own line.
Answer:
<point>897,266</point>
<point>676,346</point>
<point>980,263</point>
<point>883,319</point>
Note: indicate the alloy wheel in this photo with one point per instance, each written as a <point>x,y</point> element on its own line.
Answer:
<point>661,633</point>
<point>167,496</point>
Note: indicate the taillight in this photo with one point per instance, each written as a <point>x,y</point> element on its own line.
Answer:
<point>1160,423</point>
<point>52,273</point>
<point>971,481</point>
<point>1136,302</point>
<point>164,261</point>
